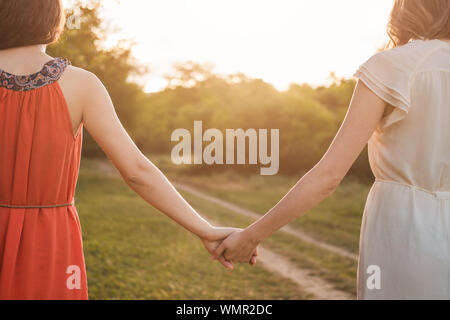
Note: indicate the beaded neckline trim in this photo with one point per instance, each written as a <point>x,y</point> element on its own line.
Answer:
<point>50,73</point>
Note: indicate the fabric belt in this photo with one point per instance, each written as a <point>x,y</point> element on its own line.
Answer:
<point>441,195</point>
<point>12,206</point>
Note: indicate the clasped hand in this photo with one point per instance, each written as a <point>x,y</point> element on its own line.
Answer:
<point>230,246</point>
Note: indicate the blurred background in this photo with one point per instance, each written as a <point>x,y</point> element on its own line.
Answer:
<point>284,65</point>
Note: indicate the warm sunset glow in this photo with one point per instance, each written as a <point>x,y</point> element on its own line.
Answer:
<point>280,41</point>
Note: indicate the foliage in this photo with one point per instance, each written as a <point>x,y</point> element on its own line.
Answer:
<point>114,67</point>
<point>307,117</point>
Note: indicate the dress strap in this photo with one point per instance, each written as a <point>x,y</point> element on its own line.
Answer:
<point>50,73</point>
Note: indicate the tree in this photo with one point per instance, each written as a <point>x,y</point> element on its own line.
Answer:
<point>114,67</point>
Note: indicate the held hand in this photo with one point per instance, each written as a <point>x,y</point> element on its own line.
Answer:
<point>214,240</point>
<point>211,246</point>
<point>238,247</point>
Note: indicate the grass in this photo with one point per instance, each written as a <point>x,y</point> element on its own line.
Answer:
<point>338,271</point>
<point>134,252</point>
<point>336,220</point>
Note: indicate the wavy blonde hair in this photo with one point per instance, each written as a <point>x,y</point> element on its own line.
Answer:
<point>418,19</point>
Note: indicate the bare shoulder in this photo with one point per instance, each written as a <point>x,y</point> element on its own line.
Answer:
<point>81,87</point>
<point>82,79</point>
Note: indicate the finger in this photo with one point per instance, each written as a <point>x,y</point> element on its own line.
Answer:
<point>227,264</point>
<point>253,261</point>
<point>219,251</point>
<point>226,258</point>
<point>242,259</point>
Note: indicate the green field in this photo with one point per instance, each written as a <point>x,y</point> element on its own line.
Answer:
<point>338,271</point>
<point>336,220</point>
<point>132,251</point>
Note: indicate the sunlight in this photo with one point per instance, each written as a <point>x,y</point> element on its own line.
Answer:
<point>280,41</point>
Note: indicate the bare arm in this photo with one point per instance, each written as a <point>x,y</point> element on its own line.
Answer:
<point>100,119</point>
<point>364,114</point>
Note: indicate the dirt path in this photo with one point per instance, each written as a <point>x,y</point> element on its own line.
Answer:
<point>308,283</point>
<point>270,260</point>
<point>319,288</point>
<point>248,213</point>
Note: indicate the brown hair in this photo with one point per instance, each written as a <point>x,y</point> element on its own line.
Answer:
<point>419,19</point>
<point>30,22</point>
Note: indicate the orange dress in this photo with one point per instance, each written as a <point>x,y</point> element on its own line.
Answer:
<point>41,251</point>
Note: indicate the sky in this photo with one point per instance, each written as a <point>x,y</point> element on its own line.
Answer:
<point>280,41</point>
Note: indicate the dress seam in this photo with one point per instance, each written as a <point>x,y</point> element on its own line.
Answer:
<point>437,194</point>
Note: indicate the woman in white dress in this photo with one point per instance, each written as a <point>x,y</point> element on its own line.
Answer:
<point>401,106</point>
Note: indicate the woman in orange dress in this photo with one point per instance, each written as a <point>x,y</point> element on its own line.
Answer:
<point>41,119</point>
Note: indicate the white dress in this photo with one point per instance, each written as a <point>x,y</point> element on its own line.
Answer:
<point>405,233</point>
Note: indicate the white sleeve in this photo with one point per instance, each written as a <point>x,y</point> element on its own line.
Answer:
<point>387,74</point>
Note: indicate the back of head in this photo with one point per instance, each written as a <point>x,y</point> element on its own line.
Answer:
<point>30,22</point>
<point>419,19</point>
